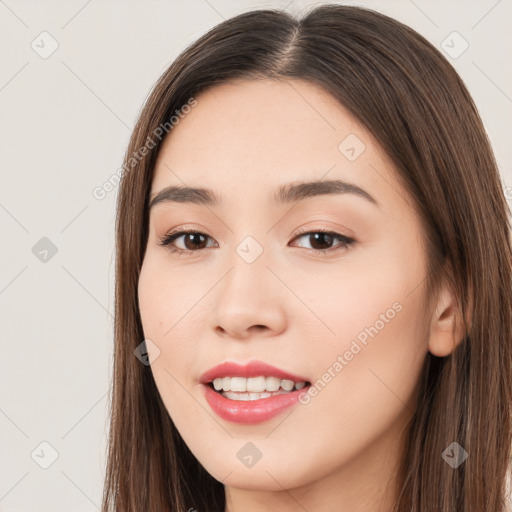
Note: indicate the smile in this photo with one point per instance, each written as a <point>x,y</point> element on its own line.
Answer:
<point>253,393</point>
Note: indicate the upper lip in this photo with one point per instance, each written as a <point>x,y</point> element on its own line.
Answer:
<point>251,369</point>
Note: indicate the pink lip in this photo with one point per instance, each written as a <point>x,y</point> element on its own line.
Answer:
<point>253,411</point>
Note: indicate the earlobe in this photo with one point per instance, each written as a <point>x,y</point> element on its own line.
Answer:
<point>446,327</point>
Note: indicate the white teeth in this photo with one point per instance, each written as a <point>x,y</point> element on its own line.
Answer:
<point>255,385</point>
<point>238,384</point>
<point>287,385</point>
<point>246,397</point>
<point>273,383</point>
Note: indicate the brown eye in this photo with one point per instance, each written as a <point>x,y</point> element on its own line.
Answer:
<point>192,241</point>
<point>321,241</point>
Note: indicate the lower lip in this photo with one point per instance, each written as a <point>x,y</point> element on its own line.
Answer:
<point>250,411</point>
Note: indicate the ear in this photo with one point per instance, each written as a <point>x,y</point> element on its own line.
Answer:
<point>446,327</point>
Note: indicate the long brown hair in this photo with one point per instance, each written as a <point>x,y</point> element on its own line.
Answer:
<point>410,98</point>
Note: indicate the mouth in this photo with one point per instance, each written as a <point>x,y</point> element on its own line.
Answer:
<point>252,393</point>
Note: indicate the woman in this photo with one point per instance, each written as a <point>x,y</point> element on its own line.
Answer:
<point>313,272</point>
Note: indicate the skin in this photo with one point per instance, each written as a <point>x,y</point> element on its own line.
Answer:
<point>292,308</point>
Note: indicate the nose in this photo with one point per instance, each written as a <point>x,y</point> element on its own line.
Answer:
<point>249,301</point>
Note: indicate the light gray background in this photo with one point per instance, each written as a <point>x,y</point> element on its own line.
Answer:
<point>65,123</point>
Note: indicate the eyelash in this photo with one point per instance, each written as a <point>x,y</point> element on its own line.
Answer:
<point>345,241</point>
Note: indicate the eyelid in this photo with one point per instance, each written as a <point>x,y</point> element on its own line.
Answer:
<point>299,231</point>
<point>303,230</point>
<point>187,228</point>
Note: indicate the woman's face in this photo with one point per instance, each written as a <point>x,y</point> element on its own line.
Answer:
<point>261,282</point>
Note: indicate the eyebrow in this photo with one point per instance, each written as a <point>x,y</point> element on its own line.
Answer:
<point>289,193</point>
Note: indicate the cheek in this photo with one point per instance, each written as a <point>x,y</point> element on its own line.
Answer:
<point>167,296</point>
<point>376,292</point>
<point>170,309</point>
<point>366,374</point>
<point>370,345</point>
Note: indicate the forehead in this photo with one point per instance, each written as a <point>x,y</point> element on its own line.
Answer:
<point>252,136</point>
